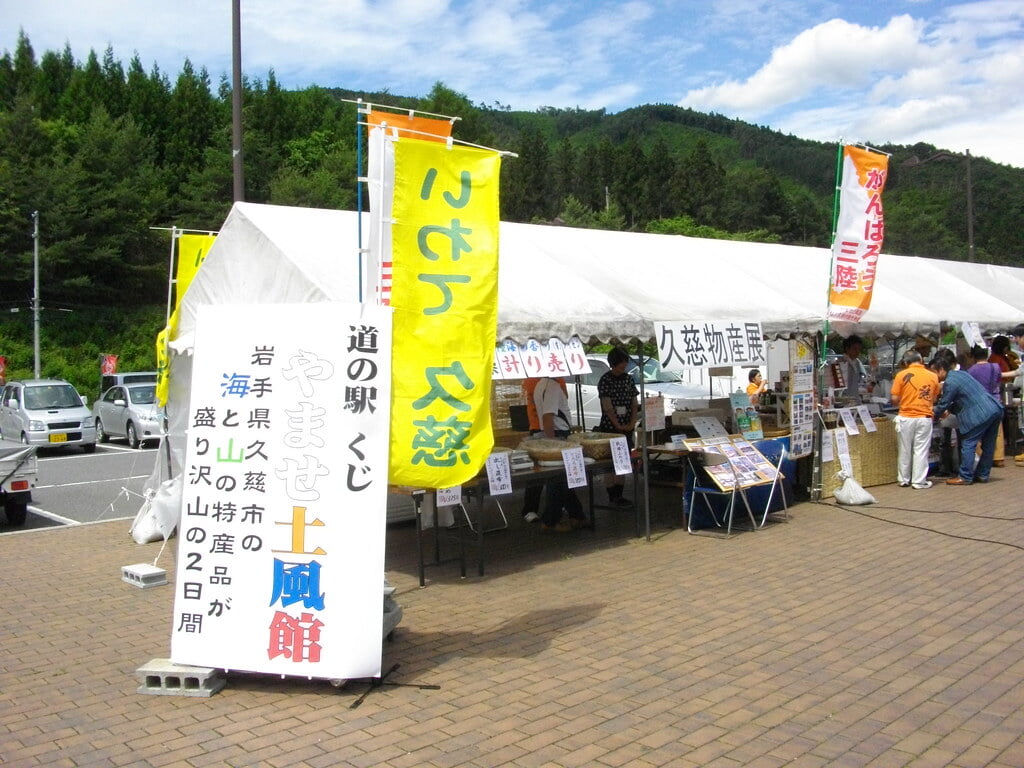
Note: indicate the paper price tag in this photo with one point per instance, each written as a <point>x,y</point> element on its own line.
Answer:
<point>575,467</point>
<point>620,456</point>
<point>449,497</point>
<point>865,417</point>
<point>849,421</point>
<point>827,446</point>
<point>843,449</point>
<point>499,474</point>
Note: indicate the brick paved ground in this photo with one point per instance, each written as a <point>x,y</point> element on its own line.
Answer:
<point>889,636</point>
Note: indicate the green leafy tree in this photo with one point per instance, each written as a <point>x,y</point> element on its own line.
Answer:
<point>98,247</point>
<point>576,214</point>
<point>685,225</point>
<point>528,188</point>
<point>26,176</point>
<point>471,126</point>
<point>657,200</point>
<point>86,90</point>
<point>147,99</point>
<point>23,66</point>
<point>698,185</point>
<point>564,181</point>
<point>193,118</point>
<point>628,187</point>
<point>53,78</point>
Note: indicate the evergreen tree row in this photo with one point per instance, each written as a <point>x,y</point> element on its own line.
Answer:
<point>105,153</point>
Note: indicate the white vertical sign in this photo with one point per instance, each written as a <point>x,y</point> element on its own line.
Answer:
<point>499,474</point>
<point>575,467</point>
<point>620,456</point>
<point>281,551</point>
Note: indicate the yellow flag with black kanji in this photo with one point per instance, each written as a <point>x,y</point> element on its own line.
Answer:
<point>445,298</point>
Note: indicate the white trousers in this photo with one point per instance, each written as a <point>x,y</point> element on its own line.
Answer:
<point>914,439</point>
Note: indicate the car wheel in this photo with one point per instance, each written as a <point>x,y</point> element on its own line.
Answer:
<point>101,436</point>
<point>133,437</point>
<point>89,448</point>
<point>17,511</point>
<point>24,439</point>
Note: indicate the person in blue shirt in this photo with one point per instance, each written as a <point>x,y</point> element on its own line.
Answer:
<point>978,413</point>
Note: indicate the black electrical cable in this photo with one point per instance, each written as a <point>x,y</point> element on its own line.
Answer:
<point>923,528</point>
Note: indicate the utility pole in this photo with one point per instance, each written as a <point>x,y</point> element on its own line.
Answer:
<point>914,160</point>
<point>35,291</point>
<point>970,209</point>
<point>236,101</point>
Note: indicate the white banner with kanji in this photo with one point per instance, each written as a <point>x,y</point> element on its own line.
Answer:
<point>684,345</point>
<point>281,536</point>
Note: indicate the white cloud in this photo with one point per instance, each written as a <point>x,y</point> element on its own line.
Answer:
<point>835,54</point>
<point>953,82</point>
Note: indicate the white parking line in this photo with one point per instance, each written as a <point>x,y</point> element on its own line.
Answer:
<point>51,516</point>
<point>108,450</point>
<point>92,482</point>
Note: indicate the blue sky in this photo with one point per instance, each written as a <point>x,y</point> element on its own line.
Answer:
<point>948,73</point>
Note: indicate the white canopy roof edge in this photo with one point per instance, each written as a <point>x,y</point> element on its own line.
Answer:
<point>602,285</point>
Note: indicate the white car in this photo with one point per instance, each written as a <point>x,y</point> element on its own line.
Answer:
<point>677,393</point>
<point>129,411</point>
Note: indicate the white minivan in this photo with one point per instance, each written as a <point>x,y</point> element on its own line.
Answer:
<point>46,413</point>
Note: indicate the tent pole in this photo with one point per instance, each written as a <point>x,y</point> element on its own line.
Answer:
<point>643,442</point>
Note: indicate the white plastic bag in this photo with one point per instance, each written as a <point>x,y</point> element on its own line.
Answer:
<point>851,492</point>
<point>158,516</point>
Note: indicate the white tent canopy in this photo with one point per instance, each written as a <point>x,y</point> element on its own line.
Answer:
<point>600,285</point>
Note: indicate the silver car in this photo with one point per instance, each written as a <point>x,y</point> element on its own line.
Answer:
<point>46,413</point>
<point>129,411</point>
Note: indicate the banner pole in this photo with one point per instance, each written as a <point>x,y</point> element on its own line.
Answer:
<point>359,195</point>
<point>819,424</point>
<point>170,274</point>
<point>832,245</point>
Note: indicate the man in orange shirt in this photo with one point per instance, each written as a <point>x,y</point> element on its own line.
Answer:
<point>914,391</point>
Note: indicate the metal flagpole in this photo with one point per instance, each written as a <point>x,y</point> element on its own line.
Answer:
<point>819,424</point>
<point>170,274</point>
<point>360,180</point>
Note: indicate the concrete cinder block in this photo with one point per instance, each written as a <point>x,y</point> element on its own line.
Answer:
<point>143,575</point>
<point>162,677</point>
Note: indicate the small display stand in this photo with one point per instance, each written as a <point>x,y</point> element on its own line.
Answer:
<point>752,468</point>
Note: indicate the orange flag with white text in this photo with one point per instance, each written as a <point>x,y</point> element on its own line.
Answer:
<point>860,230</point>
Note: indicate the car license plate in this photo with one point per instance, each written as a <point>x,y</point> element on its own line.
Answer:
<point>59,438</point>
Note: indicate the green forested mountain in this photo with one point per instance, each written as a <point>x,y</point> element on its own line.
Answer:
<point>106,151</point>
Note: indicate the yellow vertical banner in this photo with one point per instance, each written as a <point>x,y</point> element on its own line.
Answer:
<point>162,360</point>
<point>860,230</point>
<point>445,299</point>
<point>192,250</point>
